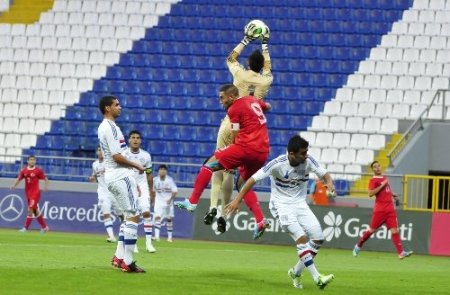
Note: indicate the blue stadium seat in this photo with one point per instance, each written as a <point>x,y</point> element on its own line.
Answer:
<point>206,134</point>
<point>187,133</point>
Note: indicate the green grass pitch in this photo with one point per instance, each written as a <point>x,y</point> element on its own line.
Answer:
<point>68,263</point>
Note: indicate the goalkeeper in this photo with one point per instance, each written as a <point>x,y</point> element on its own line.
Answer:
<point>254,81</point>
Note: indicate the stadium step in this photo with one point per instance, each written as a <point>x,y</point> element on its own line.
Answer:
<point>359,187</point>
<point>25,11</point>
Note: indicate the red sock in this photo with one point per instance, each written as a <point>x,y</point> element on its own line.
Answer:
<point>28,221</point>
<point>397,242</point>
<point>364,238</point>
<point>41,221</point>
<point>201,182</point>
<point>251,200</point>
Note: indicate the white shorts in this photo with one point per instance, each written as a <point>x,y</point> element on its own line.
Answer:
<point>125,193</point>
<point>144,199</point>
<point>297,219</point>
<point>163,210</point>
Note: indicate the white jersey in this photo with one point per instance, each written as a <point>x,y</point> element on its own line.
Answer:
<point>164,188</point>
<point>112,142</point>
<point>145,159</point>
<point>289,184</point>
<point>98,170</point>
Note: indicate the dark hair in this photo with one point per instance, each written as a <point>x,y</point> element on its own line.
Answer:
<point>373,163</point>
<point>230,89</point>
<point>296,143</point>
<point>256,61</point>
<point>31,156</point>
<point>106,101</point>
<point>134,132</point>
<point>162,166</point>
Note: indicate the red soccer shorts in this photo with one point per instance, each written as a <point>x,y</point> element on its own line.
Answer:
<point>33,201</point>
<point>248,161</point>
<point>384,217</point>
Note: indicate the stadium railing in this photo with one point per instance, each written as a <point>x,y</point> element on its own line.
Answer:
<point>426,193</point>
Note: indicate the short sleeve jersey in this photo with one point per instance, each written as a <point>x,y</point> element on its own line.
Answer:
<point>145,159</point>
<point>164,188</point>
<point>98,170</point>
<point>246,115</point>
<point>32,177</point>
<point>383,200</point>
<point>112,142</point>
<point>289,185</point>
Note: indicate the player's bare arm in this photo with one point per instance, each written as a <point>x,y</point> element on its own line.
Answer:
<point>125,162</point>
<point>329,183</point>
<point>233,207</point>
<point>46,182</point>
<point>16,183</point>
<point>169,201</point>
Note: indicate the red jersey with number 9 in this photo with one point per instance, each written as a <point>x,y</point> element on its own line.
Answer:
<point>383,201</point>
<point>247,115</point>
<point>32,177</point>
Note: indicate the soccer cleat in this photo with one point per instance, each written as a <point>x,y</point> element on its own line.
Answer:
<point>324,280</point>
<point>169,240</point>
<point>356,251</point>
<point>296,279</point>
<point>405,254</point>
<point>23,230</point>
<point>221,225</point>
<point>116,262</point>
<point>111,240</point>
<point>44,230</point>
<point>132,267</point>
<point>260,229</point>
<point>209,217</point>
<point>185,204</point>
<point>149,247</point>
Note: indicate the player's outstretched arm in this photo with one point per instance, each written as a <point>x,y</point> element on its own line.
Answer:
<point>267,69</point>
<point>233,207</point>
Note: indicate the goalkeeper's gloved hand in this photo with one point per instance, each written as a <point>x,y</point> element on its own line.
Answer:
<point>266,36</point>
<point>247,39</point>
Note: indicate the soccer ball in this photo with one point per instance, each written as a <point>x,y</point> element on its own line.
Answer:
<point>255,28</point>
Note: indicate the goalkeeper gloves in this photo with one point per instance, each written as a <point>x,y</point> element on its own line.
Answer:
<point>247,39</point>
<point>266,36</point>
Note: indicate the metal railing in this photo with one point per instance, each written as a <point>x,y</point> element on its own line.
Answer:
<point>418,124</point>
<point>427,193</point>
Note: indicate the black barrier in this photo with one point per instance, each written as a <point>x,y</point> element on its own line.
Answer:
<point>342,228</point>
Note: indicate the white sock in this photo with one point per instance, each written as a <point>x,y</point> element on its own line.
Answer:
<point>120,244</point>
<point>169,229</point>
<point>299,267</point>
<point>108,226</point>
<point>157,229</point>
<point>308,261</point>
<point>148,229</point>
<point>130,238</point>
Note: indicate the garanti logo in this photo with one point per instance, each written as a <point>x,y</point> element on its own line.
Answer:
<point>333,222</point>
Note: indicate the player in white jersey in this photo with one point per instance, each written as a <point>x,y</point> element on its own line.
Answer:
<point>106,201</point>
<point>145,182</point>
<point>165,190</point>
<point>120,181</point>
<point>254,81</point>
<point>289,175</point>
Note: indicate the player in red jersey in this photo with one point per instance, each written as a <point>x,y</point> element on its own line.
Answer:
<point>248,153</point>
<point>383,211</point>
<point>32,174</point>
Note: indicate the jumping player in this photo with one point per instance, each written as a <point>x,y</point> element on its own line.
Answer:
<point>249,151</point>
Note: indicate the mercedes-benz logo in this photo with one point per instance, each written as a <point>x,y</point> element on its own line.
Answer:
<point>11,207</point>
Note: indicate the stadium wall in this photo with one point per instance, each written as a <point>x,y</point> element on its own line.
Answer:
<point>427,151</point>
